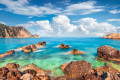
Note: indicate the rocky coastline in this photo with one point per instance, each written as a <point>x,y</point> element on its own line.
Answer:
<point>74,70</point>
<point>112,36</point>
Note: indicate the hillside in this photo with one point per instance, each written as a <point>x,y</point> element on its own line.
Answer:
<point>14,32</point>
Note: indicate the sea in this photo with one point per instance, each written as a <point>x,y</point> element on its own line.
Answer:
<point>51,57</point>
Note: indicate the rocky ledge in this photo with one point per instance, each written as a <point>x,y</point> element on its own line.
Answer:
<point>108,53</point>
<point>82,70</point>
<point>7,53</point>
<point>112,36</point>
<point>64,46</point>
<point>76,52</point>
<point>30,72</point>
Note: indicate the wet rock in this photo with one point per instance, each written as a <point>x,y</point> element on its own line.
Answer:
<point>64,46</point>
<point>9,52</point>
<point>27,48</point>
<point>77,69</point>
<point>12,65</point>
<point>2,55</point>
<point>34,48</point>
<point>63,66</point>
<point>26,77</point>
<point>108,53</point>
<point>60,78</point>
<point>38,70</point>
<point>43,43</point>
<point>32,72</point>
<point>3,71</point>
<point>76,52</point>
<point>44,77</point>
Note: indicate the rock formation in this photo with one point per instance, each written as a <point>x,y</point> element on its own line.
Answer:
<point>76,52</point>
<point>112,36</point>
<point>108,53</point>
<point>82,70</point>
<point>34,48</point>
<point>12,72</point>
<point>64,46</point>
<point>14,32</point>
<point>7,53</point>
<point>41,44</point>
<point>27,48</point>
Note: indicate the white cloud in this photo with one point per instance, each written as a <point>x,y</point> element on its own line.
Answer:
<point>23,7</point>
<point>114,20</point>
<point>61,26</point>
<point>114,11</point>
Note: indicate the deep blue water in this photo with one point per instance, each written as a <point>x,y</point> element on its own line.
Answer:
<point>51,57</point>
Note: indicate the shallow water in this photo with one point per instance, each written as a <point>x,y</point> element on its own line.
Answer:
<point>51,57</point>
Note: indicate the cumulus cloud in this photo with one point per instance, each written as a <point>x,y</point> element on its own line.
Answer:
<point>62,26</point>
<point>114,11</point>
<point>23,7</point>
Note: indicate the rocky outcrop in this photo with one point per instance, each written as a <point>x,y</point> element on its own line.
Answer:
<point>27,48</point>
<point>82,70</point>
<point>30,72</point>
<point>108,53</point>
<point>14,32</point>
<point>34,48</point>
<point>64,46</point>
<point>76,52</point>
<point>36,36</point>
<point>7,53</point>
<point>112,36</point>
<point>41,44</point>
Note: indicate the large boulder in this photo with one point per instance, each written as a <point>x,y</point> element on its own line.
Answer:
<point>34,48</point>
<point>41,44</point>
<point>32,72</point>
<point>3,71</point>
<point>76,52</point>
<point>27,48</point>
<point>63,66</point>
<point>77,69</point>
<point>108,53</point>
<point>64,46</point>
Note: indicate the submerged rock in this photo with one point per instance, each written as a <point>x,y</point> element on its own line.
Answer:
<point>64,46</point>
<point>108,53</point>
<point>34,48</point>
<point>76,52</point>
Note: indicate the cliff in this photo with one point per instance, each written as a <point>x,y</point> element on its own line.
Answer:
<point>112,36</point>
<point>14,32</point>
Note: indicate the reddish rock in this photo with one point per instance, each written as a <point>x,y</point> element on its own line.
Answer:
<point>32,72</point>
<point>60,78</point>
<point>10,75</point>
<point>2,55</point>
<point>92,77</point>
<point>36,78</point>
<point>3,71</point>
<point>34,48</point>
<point>76,52</point>
<point>27,48</point>
<point>112,36</point>
<point>44,77</point>
<point>9,52</point>
<point>64,46</point>
<point>26,77</point>
<point>108,53</point>
<point>12,65</point>
<point>63,66</point>
<point>43,43</point>
<point>39,44</point>
<point>77,69</point>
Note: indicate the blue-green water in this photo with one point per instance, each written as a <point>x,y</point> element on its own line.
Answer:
<point>51,57</point>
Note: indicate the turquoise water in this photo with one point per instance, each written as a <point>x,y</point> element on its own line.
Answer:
<point>51,57</point>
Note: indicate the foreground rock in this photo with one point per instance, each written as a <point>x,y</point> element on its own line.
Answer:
<point>30,72</point>
<point>7,53</point>
<point>41,44</point>
<point>64,46</point>
<point>76,52</point>
<point>82,70</point>
<point>108,53</point>
<point>112,36</point>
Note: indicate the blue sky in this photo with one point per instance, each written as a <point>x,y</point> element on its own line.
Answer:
<point>63,17</point>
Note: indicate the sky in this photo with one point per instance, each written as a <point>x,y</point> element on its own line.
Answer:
<point>63,18</point>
